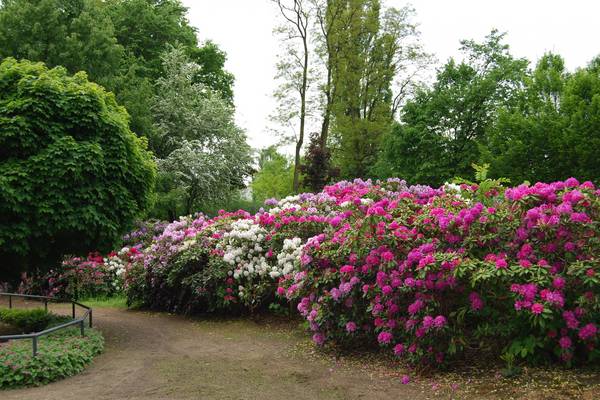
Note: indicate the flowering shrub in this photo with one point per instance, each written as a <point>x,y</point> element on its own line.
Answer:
<point>78,277</point>
<point>430,274</point>
<point>144,233</point>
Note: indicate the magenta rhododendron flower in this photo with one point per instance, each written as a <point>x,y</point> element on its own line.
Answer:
<point>537,308</point>
<point>588,331</point>
<point>351,326</point>
<point>319,339</point>
<point>384,337</point>
<point>476,302</point>
<point>565,342</point>
<point>399,349</point>
<point>440,321</point>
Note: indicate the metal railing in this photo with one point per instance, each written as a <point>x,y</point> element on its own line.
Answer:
<point>36,335</point>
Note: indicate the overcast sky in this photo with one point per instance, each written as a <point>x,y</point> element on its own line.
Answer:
<point>243,29</point>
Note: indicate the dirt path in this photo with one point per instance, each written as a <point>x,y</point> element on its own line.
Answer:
<point>159,356</point>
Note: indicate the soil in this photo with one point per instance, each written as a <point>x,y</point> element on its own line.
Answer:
<point>161,356</point>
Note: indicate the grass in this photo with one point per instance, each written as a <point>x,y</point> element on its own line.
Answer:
<point>106,302</point>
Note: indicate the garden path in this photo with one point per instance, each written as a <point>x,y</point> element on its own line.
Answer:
<point>161,356</point>
<point>155,356</point>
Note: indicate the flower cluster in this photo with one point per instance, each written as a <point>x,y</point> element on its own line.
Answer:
<point>83,277</point>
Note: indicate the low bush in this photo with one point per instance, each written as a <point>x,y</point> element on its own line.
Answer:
<point>60,355</point>
<point>26,320</point>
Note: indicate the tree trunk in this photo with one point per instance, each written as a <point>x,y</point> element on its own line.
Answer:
<point>300,140</point>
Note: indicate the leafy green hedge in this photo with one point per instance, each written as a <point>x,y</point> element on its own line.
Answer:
<point>62,354</point>
<point>26,321</point>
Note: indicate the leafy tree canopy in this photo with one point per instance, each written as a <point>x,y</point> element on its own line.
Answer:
<point>118,43</point>
<point>203,155</point>
<point>73,176</point>
<point>443,126</point>
<point>274,177</point>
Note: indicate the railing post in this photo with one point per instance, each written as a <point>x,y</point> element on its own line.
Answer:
<point>35,346</point>
<point>90,316</point>
<point>82,325</point>
<point>73,304</point>
<point>46,305</point>
<point>9,301</point>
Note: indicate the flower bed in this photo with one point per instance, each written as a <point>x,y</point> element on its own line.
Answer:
<point>430,274</point>
<point>60,355</point>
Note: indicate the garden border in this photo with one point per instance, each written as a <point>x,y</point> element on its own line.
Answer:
<point>36,335</point>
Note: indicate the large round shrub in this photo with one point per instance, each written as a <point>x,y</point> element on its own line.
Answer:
<point>72,174</point>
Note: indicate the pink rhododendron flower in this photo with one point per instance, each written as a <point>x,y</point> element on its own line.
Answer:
<point>565,342</point>
<point>351,327</point>
<point>319,339</point>
<point>588,331</point>
<point>399,349</point>
<point>537,308</point>
<point>384,337</point>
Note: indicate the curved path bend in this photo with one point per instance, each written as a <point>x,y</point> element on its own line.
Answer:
<point>161,356</point>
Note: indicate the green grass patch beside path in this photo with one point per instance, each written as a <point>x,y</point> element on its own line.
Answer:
<point>106,302</point>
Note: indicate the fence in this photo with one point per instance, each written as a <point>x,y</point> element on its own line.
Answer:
<point>36,335</point>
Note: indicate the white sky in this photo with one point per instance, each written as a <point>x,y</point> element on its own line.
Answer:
<point>243,29</point>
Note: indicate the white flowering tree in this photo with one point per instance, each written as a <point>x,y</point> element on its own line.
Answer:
<point>203,155</point>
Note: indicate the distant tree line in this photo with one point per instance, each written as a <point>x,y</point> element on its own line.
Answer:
<point>373,115</point>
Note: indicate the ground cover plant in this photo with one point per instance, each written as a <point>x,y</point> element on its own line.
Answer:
<point>61,354</point>
<point>431,274</point>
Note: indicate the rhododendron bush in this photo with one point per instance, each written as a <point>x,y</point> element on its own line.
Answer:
<point>429,274</point>
<point>83,277</point>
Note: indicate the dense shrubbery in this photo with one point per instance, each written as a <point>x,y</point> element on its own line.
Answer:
<point>26,321</point>
<point>60,355</point>
<point>72,174</point>
<point>429,273</point>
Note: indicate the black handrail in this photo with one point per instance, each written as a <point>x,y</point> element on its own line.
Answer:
<point>36,335</point>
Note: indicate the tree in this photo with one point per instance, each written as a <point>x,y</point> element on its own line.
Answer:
<point>523,143</point>
<point>77,34</point>
<point>274,176</point>
<point>444,127</point>
<point>377,56</point>
<point>117,42</point>
<point>553,132</point>
<point>73,177</point>
<point>203,155</point>
<point>293,70</point>
<point>317,167</point>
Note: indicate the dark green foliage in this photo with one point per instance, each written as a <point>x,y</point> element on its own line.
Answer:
<point>443,127</point>
<point>77,34</point>
<point>60,355</point>
<point>73,177</point>
<point>118,43</point>
<point>554,133</point>
<point>26,320</point>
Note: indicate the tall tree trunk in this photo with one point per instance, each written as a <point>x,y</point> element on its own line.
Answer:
<point>300,140</point>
